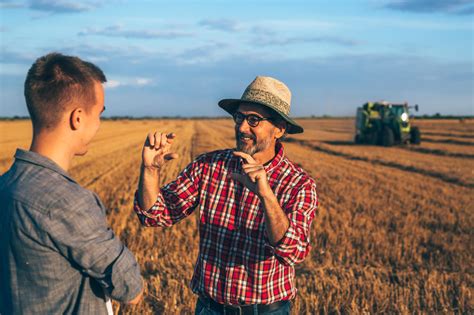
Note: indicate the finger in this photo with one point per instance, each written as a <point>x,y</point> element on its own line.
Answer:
<point>170,156</point>
<point>256,168</point>
<point>164,140</point>
<point>251,166</point>
<point>157,140</point>
<point>247,157</point>
<point>150,139</point>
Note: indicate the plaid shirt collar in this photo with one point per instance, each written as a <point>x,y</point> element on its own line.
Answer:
<point>270,166</point>
<point>40,160</point>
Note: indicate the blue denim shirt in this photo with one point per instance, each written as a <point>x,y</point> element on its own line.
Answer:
<point>57,253</point>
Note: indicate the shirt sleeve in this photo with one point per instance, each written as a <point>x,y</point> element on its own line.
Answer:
<point>79,230</point>
<point>301,209</point>
<point>176,200</point>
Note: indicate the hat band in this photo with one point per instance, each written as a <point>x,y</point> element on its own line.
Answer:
<point>255,95</point>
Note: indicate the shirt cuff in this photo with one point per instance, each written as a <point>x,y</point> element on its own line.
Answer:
<point>126,280</point>
<point>286,245</point>
<point>151,213</point>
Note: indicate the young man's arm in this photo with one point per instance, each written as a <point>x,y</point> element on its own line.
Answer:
<point>78,227</point>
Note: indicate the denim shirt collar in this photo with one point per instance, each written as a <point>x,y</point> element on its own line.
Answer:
<point>40,160</point>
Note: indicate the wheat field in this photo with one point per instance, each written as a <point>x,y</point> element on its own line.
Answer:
<point>393,234</point>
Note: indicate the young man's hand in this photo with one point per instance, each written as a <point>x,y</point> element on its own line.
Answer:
<point>157,150</point>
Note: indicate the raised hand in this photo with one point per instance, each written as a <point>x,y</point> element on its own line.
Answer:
<point>157,150</point>
<point>254,176</point>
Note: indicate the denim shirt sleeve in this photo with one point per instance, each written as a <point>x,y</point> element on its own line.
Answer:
<point>79,229</point>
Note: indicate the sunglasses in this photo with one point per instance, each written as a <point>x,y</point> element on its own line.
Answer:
<point>252,119</point>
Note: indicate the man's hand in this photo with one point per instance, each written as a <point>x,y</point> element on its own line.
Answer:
<point>157,150</point>
<point>254,177</point>
<point>155,153</point>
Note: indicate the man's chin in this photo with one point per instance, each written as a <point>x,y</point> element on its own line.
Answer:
<point>248,150</point>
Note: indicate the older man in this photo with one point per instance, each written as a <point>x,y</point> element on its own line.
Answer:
<point>255,206</point>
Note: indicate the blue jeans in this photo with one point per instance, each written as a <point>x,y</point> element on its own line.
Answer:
<point>202,309</point>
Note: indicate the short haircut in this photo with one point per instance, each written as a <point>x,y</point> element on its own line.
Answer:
<point>54,82</point>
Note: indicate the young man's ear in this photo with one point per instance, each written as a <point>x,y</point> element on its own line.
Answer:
<point>76,118</point>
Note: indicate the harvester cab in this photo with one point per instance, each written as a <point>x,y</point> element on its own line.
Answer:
<point>385,124</point>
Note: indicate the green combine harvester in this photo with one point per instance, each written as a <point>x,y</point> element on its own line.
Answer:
<point>383,123</point>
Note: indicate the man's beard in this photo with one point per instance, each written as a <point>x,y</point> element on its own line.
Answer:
<point>254,146</point>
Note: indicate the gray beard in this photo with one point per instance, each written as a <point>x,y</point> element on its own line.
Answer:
<point>254,148</point>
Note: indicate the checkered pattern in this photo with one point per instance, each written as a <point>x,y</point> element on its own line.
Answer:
<point>236,263</point>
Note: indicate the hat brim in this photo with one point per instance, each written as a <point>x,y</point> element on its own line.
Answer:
<point>231,105</point>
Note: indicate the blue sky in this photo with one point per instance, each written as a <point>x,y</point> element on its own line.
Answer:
<point>170,58</point>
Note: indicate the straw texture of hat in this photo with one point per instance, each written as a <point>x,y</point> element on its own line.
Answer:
<point>268,92</point>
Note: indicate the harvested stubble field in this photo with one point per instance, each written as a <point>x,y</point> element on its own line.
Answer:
<point>394,231</point>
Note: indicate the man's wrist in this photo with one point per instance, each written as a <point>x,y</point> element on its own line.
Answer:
<point>151,170</point>
<point>266,196</point>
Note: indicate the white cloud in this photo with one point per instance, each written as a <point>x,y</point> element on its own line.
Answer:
<point>116,82</point>
<point>282,41</point>
<point>406,22</point>
<point>143,81</point>
<point>62,6</point>
<point>119,31</point>
<point>112,84</point>
<point>11,4</point>
<point>432,6</point>
<point>225,25</point>
<point>295,25</point>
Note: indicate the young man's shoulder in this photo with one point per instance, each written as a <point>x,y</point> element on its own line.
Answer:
<point>41,188</point>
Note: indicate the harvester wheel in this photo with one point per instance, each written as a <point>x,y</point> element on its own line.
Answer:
<point>387,138</point>
<point>357,139</point>
<point>415,135</point>
<point>371,138</point>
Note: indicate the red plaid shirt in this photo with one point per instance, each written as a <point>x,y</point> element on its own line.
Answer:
<point>236,263</point>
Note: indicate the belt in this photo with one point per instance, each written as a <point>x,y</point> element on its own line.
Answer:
<point>241,309</point>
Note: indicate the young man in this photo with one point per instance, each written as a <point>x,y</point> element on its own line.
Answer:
<point>255,206</point>
<point>57,254</point>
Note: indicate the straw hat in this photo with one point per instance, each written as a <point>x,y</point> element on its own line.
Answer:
<point>270,93</point>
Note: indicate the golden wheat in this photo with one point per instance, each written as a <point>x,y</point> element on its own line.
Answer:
<point>393,234</point>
